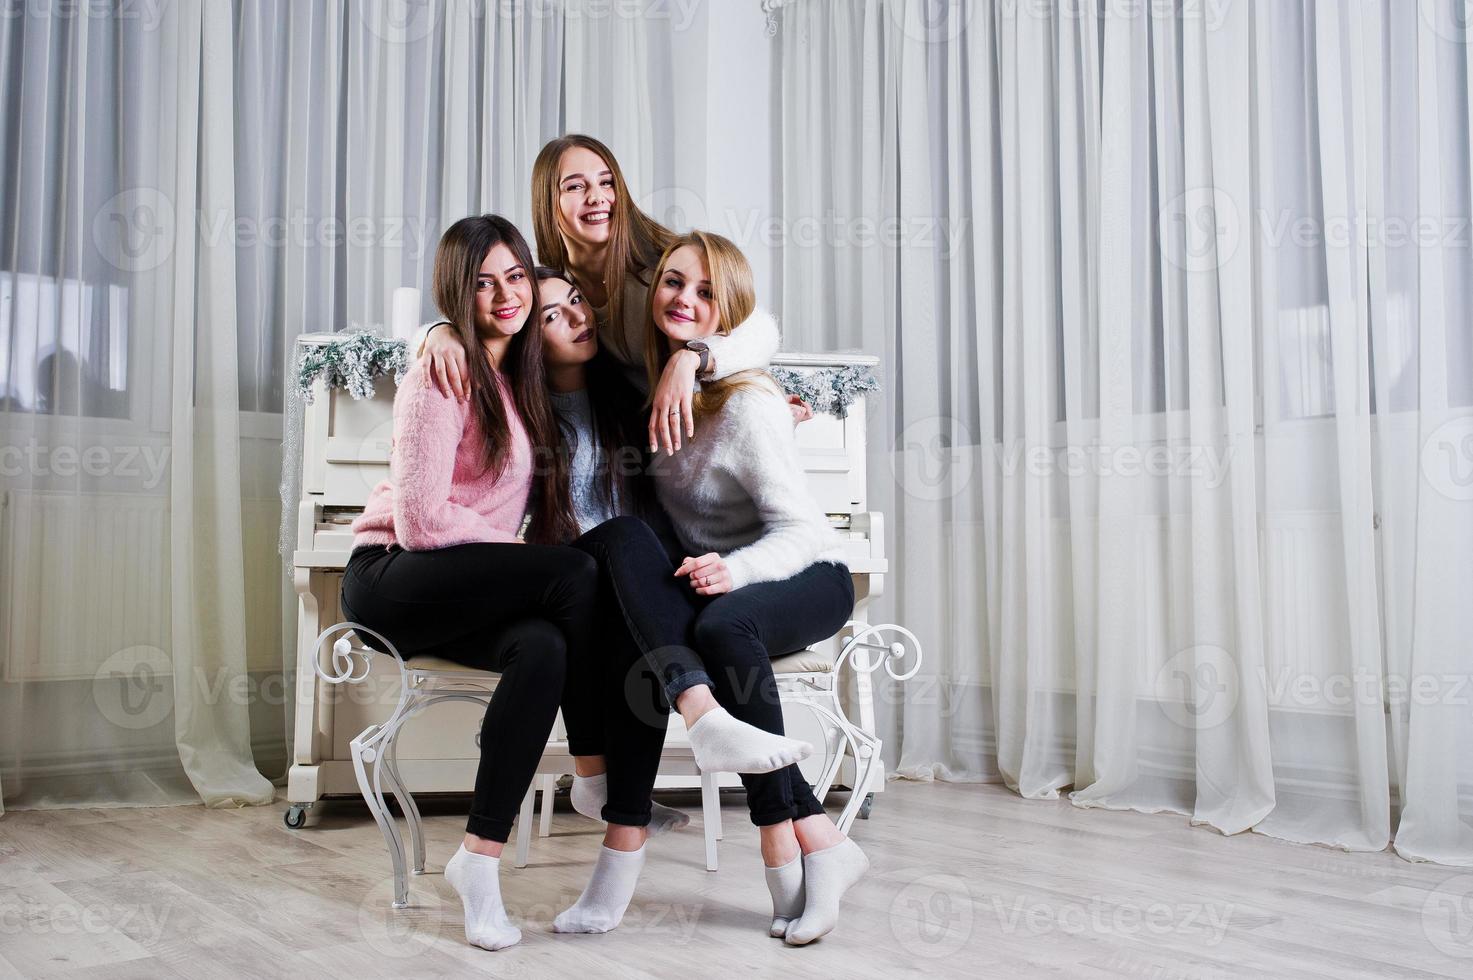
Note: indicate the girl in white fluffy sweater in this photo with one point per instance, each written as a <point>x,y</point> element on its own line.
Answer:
<point>763,575</point>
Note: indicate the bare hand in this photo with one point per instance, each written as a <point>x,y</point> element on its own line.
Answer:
<point>673,394</point>
<point>445,362</point>
<point>801,410</point>
<point>708,574</point>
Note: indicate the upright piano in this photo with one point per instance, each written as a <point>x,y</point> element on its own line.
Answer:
<point>345,453</point>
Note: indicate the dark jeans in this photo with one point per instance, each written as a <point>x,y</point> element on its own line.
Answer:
<point>726,642</point>
<point>523,610</point>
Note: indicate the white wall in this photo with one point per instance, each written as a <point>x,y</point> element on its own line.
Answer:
<point>742,195</point>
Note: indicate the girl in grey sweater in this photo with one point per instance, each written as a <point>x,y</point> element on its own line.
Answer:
<point>759,574</point>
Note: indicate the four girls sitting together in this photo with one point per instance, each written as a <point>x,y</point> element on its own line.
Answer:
<point>617,396</point>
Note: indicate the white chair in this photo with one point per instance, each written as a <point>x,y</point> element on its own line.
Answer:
<point>814,679</point>
<point>811,678</point>
<point>424,682</point>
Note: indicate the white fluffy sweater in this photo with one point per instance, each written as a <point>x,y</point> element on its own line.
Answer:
<point>738,489</point>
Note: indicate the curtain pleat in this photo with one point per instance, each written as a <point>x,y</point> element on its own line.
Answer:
<point>1178,384</point>
<point>185,198</point>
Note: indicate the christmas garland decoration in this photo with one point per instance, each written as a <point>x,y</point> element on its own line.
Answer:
<point>356,360</point>
<point>828,390</point>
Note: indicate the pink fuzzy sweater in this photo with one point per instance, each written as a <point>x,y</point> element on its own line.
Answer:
<point>437,494</point>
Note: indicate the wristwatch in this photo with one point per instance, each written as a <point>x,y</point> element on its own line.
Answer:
<point>704,349</point>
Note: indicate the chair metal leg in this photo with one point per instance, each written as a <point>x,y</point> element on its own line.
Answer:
<point>390,750</point>
<point>866,748</point>
<point>524,827</point>
<point>711,816</point>
<point>834,743</point>
<point>549,790</point>
<point>363,756</point>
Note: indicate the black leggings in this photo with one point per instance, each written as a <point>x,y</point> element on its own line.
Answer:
<point>736,635</point>
<point>521,609</point>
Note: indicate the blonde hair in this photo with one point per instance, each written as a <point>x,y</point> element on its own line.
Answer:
<point>635,238</point>
<point>734,298</point>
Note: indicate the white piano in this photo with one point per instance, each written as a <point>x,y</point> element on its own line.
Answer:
<point>345,448</point>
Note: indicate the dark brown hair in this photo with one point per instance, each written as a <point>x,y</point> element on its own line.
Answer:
<point>616,406</point>
<point>458,260</point>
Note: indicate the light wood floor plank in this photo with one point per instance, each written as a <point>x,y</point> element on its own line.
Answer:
<point>966,881</point>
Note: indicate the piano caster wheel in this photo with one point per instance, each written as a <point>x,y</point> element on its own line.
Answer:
<point>296,816</point>
<point>864,808</point>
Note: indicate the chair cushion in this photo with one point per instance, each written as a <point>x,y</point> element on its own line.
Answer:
<point>440,665</point>
<point>803,662</point>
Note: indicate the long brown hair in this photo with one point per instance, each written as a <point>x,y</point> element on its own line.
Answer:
<point>635,238</point>
<point>458,261</point>
<point>734,297</point>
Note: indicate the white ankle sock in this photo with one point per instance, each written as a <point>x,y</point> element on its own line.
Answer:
<point>785,884</point>
<point>827,875</point>
<point>607,895</point>
<point>476,879</point>
<point>721,743</point>
<point>590,793</point>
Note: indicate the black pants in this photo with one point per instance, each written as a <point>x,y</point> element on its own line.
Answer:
<point>726,642</point>
<point>521,609</point>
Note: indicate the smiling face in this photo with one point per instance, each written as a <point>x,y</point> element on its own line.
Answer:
<point>684,305</point>
<point>503,294</point>
<point>569,334</point>
<point>585,196</point>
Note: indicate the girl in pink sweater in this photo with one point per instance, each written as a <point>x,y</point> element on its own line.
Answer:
<point>437,566</point>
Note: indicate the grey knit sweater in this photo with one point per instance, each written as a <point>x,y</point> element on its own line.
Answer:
<point>738,489</point>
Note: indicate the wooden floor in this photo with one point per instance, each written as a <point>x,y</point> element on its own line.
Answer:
<point>966,881</point>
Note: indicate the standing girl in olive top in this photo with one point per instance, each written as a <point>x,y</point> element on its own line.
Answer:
<point>437,566</point>
<point>587,223</point>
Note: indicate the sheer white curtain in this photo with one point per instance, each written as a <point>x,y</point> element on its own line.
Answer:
<point>1173,301</point>
<point>184,192</point>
